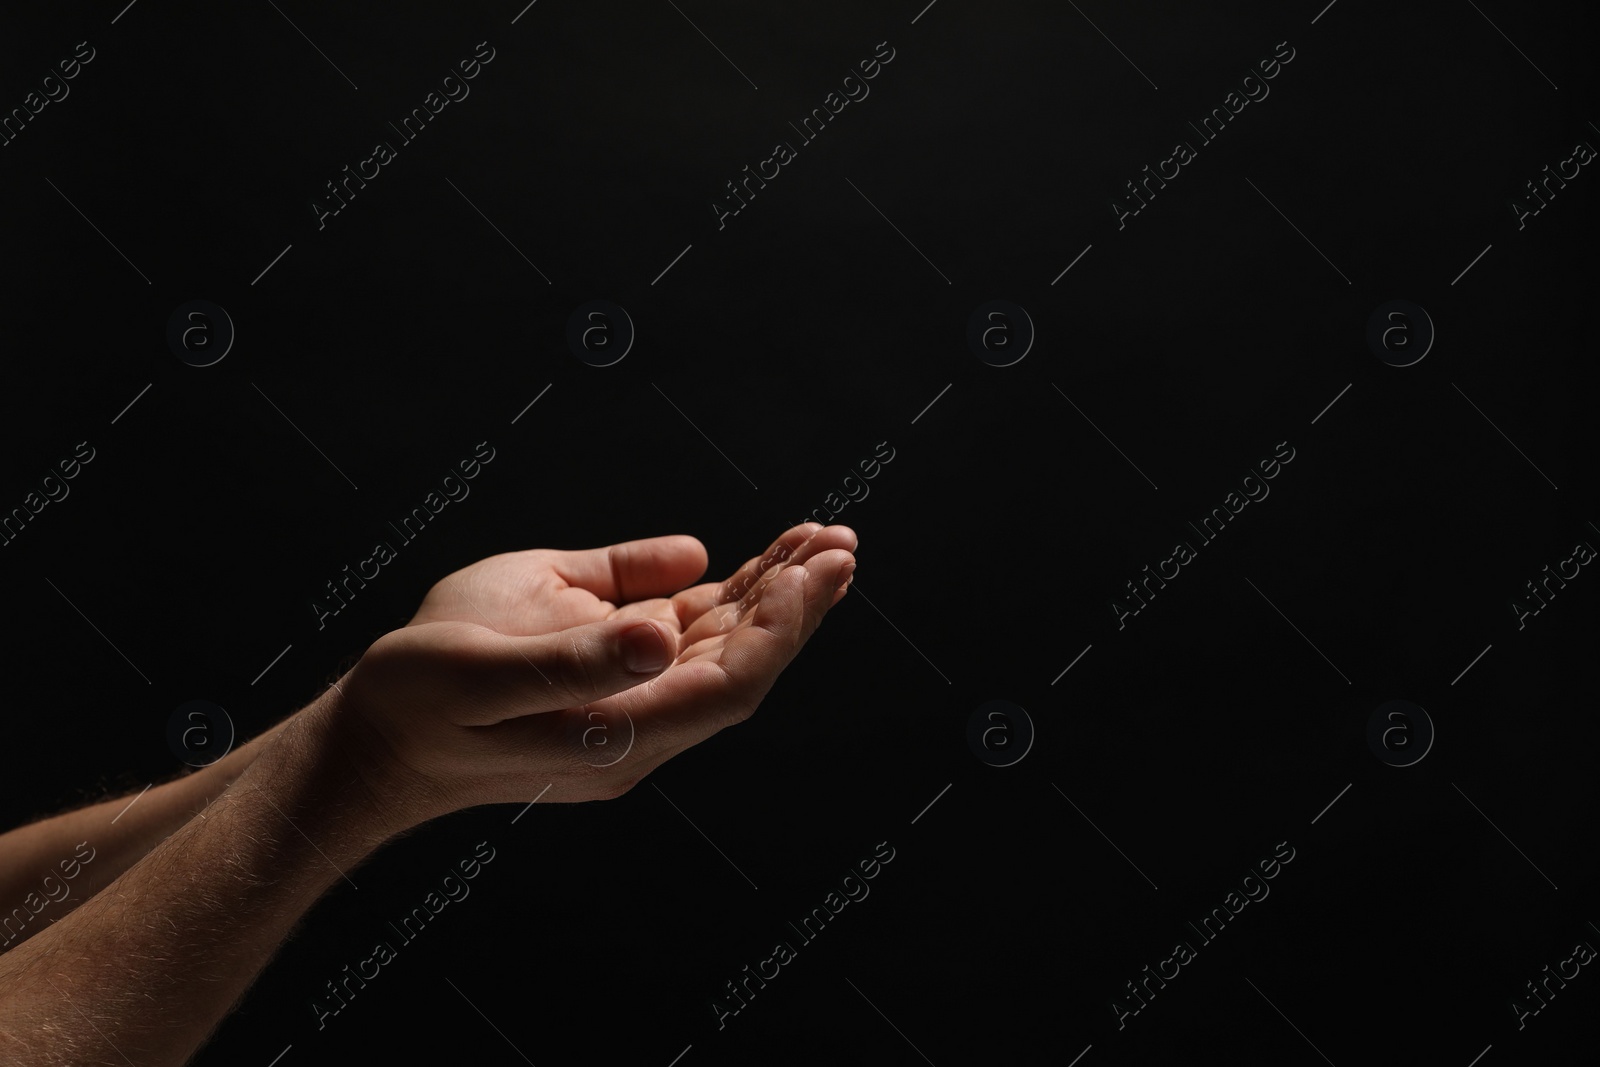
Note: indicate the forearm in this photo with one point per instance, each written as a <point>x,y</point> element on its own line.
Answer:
<point>145,970</point>
<point>49,867</point>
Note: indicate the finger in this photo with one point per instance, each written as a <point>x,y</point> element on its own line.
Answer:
<point>519,676</point>
<point>693,700</point>
<point>659,608</point>
<point>795,545</point>
<point>788,613</point>
<point>846,574</point>
<point>633,570</point>
<point>722,617</point>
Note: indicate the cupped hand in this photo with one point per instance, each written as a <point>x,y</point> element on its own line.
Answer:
<point>528,675</point>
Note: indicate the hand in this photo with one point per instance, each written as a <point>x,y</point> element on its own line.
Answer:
<point>528,674</point>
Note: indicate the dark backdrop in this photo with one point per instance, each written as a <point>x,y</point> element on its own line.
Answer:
<point>1173,351</point>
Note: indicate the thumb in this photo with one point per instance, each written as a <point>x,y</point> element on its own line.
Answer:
<point>585,663</point>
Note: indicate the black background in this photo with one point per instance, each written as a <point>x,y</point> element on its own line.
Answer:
<point>1223,319</point>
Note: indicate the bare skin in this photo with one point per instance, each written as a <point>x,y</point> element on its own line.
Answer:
<point>489,695</point>
<point>98,842</point>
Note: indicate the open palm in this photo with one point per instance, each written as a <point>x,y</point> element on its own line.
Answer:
<point>543,590</point>
<point>730,639</point>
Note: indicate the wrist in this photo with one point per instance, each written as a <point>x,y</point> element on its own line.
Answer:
<point>361,765</point>
<point>211,780</point>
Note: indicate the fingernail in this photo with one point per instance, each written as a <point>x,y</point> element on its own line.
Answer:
<point>643,650</point>
<point>844,576</point>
